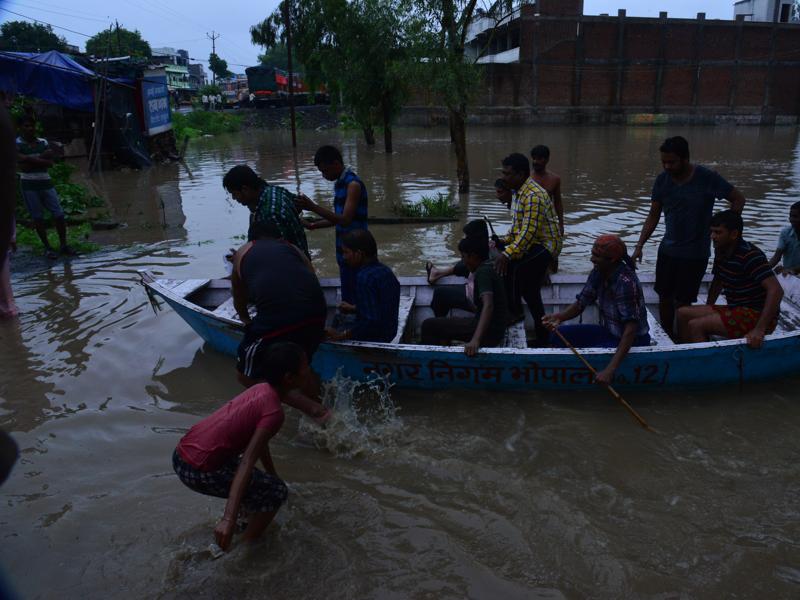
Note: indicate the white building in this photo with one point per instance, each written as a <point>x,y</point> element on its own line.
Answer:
<point>769,11</point>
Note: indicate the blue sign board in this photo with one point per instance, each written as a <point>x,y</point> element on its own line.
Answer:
<point>155,102</point>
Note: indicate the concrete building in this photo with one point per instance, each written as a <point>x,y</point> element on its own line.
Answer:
<point>197,75</point>
<point>765,11</point>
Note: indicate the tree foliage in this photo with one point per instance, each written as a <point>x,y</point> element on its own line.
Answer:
<point>21,36</point>
<point>118,41</point>
<point>359,48</point>
<point>218,66</point>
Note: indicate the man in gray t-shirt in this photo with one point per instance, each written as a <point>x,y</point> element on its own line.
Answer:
<point>685,193</point>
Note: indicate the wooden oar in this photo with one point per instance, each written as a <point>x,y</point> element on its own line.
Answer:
<point>613,392</point>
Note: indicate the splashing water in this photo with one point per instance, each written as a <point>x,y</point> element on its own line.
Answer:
<point>364,417</point>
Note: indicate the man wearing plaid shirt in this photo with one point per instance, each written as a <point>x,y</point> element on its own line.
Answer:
<point>530,245</point>
<point>267,204</point>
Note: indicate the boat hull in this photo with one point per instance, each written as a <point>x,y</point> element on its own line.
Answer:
<point>434,367</point>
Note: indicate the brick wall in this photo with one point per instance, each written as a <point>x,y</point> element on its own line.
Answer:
<point>624,64</point>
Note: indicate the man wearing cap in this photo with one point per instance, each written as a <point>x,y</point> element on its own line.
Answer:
<point>614,286</point>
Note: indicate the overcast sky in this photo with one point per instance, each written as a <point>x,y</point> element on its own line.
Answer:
<point>185,23</point>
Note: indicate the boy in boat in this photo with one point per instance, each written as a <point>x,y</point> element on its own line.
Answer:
<point>487,328</point>
<point>476,227</point>
<point>349,209</point>
<point>742,273</point>
<point>279,280</point>
<point>789,244</point>
<point>35,157</point>
<point>377,292</point>
<point>218,456</point>
<point>540,156</point>
<point>533,241</point>
<point>447,298</point>
<point>616,289</point>
<point>685,193</point>
<point>267,204</point>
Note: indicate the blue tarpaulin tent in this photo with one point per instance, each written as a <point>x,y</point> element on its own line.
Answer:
<point>50,76</point>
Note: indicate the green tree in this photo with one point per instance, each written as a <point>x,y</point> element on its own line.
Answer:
<point>453,78</point>
<point>359,48</point>
<point>118,41</point>
<point>278,57</point>
<point>218,66</point>
<point>21,36</point>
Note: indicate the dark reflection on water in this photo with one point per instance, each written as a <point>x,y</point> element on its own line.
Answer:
<point>484,495</point>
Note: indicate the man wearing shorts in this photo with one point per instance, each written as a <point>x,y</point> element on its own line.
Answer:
<point>35,157</point>
<point>742,273</point>
<point>686,194</point>
<point>279,280</point>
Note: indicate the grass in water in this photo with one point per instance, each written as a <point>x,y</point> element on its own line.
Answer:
<point>201,122</point>
<point>77,238</point>
<point>429,206</point>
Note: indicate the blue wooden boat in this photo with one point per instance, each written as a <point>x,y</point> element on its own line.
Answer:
<point>206,305</point>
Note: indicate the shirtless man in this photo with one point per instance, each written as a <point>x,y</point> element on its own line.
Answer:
<point>540,156</point>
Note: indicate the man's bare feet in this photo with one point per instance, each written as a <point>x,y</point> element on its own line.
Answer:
<point>434,274</point>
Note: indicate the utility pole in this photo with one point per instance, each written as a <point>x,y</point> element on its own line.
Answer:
<point>288,26</point>
<point>119,51</point>
<point>213,37</point>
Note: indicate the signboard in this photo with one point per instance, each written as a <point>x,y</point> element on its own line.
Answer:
<point>155,102</point>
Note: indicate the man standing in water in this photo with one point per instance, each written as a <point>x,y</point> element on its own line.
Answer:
<point>267,204</point>
<point>349,209</point>
<point>35,158</point>
<point>686,194</point>
<point>540,156</point>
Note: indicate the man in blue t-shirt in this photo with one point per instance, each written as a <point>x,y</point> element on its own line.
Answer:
<point>349,209</point>
<point>685,193</point>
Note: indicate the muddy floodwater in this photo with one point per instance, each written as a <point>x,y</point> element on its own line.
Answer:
<point>481,494</point>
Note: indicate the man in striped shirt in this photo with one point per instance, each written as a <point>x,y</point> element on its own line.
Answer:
<point>530,245</point>
<point>267,203</point>
<point>742,273</point>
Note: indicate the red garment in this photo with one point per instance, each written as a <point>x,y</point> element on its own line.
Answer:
<point>226,433</point>
<point>740,320</point>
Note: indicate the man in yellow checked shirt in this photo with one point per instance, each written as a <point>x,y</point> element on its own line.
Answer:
<point>532,242</point>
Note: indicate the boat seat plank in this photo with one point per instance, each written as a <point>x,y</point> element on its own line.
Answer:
<point>403,311</point>
<point>226,310</point>
<point>788,318</point>
<point>515,336</point>
<point>183,287</point>
<point>657,332</point>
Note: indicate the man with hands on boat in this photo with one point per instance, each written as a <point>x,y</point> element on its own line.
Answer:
<point>278,279</point>
<point>742,273</point>
<point>685,193</point>
<point>614,286</point>
<point>218,456</point>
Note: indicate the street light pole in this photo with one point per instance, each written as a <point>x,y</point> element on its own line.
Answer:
<point>288,25</point>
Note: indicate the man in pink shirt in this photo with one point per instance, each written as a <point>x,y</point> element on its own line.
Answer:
<point>217,457</point>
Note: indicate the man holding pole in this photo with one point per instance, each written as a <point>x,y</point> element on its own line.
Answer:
<point>614,286</point>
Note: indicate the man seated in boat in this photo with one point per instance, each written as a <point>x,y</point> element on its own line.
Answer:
<point>377,292</point>
<point>279,280</point>
<point>476,227</point>
<point>267,204</point>
<point>742,273</point>
<point>789,245</point>
<point>531,244</point>
<point>616,289</point>
<point>218,456</point>
<point>487,328</point>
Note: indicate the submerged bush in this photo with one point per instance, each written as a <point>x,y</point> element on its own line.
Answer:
<point>204,122</point>
<point>429,206</point>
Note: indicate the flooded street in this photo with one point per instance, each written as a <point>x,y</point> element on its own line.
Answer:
<point>463,494</point>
